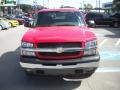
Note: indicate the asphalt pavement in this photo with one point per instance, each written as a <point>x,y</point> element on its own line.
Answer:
<point>12,76</point>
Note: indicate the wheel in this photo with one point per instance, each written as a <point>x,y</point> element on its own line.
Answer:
<point>93,26</point>
<point>11,25</point>
<point>111,25</point>
<point>91,23</point>
<point>116,24</point>
<point>6,29</point>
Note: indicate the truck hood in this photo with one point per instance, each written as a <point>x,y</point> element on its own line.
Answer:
<point>58,34</point>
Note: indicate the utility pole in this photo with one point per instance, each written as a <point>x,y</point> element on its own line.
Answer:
<point>96,4</point>
<point>48,4</point>
<point>43,2</point>
<point>18,3</point>
<point>83,5</point>
<point>99,5</point>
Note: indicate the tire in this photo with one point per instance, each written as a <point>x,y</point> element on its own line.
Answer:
<point>111,25</point>
<point>5,28</point>
<point>93,26</point>
<point>28,73</point>
<point>116,24</point>
<point>11,25</point>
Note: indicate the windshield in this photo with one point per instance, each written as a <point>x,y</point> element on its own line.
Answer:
<point>56,18</point>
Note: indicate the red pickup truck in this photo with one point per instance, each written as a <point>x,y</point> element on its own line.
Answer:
<point>59,43</point>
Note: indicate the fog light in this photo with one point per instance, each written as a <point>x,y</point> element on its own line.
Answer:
<point>28,70</point>
<point>27,53</point>
<point>90,52</point>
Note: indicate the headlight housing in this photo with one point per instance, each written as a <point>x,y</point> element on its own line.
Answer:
<point>90,47</point>
<point>27,53</point>
<point>26,45</point>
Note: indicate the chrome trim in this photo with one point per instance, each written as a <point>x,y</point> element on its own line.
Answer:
<point>58,66</point>
<point>56,49</point>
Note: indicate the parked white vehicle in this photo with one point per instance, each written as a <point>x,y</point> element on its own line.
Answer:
<point>5,25</point>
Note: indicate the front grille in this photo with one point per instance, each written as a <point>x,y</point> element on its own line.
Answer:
<point>57,45</point>
<point>59,54</point>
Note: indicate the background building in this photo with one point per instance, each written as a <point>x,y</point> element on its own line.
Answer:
<point>108,7</point>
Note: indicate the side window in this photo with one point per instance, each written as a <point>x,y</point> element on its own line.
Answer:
<point>89,16</point>
<point>99,16</point>
<point>117,15</point>
<point>106,16</point>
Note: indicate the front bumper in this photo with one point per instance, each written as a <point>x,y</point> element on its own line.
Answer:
<point>14,24</point>
<point>61,67</point>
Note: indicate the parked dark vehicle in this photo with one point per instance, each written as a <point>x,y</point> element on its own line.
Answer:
<point>102,19</point>
<point>117,18</point>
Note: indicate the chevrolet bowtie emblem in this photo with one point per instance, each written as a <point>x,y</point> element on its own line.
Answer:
<point>59,50</point>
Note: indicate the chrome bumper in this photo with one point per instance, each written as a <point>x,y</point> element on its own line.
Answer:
<point>59,66</point>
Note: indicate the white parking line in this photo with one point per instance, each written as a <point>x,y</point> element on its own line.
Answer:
<point>105,40</point>
<point>108,69</point>
<point>117,43</point>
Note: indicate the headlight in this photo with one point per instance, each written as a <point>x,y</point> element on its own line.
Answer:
<point>26,45</point>
<point>91,44</point>
<point>90,47</point>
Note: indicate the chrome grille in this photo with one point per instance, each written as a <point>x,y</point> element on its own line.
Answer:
<point>59,45</point>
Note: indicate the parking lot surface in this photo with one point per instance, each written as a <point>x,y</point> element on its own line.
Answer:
<point>106,77</point>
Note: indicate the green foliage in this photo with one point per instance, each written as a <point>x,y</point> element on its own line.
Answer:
<point>1,8</point>
<point>25,8</point>
<point>116,5</point>
<point>88,7</point>
<point>66,6</point>
<point>9,2</point>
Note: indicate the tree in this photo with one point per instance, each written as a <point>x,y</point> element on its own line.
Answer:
<point>116,5</point>
<point>66,6</point>
<point>26,8</point>
<point>88,7</point>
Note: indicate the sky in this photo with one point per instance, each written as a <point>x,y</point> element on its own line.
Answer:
<point>58,3</point>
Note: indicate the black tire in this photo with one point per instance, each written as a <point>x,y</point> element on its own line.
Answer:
<point>111,25</point>
<point>93,26</point>
<point>116,24</point>
<point>11,24</point>
<point>5,28</point>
